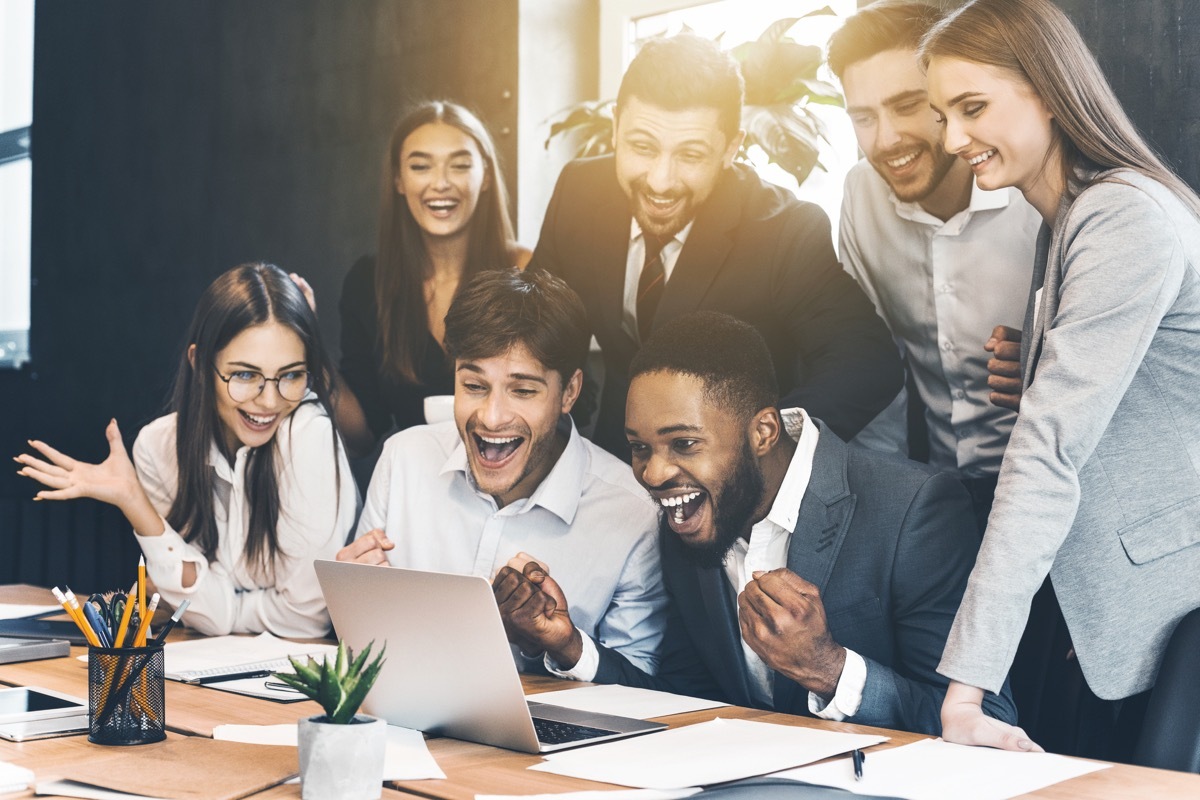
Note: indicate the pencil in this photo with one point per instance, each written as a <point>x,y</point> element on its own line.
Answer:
<point>86,630</point>
<point>140,639</point>
<point>125,615</point>
<point>141,586</point>
<point>92,638</point>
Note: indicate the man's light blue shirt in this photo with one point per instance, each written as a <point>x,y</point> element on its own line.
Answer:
<point>588,522</point>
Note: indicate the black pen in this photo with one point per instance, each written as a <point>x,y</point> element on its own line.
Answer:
<point>858,757</point>
<point>235,676</point>
<point>171,623</point>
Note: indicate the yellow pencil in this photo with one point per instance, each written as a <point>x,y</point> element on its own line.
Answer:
<point>84,628</point>
<point>80,620</point>
<point>125,615</point>
<point>141,584</point>
<point>140,639</point>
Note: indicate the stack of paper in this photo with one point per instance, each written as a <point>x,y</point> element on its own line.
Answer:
<point>15,611</point>
<point>231,655</point>
<point>935,770</point>
<point>407,758</point>
<point>624,701</point>
<point>703,754</point>
<point>13,778</point>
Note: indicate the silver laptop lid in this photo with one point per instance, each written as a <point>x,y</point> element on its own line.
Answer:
<point>449,669</point>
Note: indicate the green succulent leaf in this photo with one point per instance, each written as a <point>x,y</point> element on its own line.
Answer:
<point>296,683</point>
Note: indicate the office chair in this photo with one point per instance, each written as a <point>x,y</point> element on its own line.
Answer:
<point>1170,736</point>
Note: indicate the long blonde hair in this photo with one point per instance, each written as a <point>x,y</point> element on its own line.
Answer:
<point>1035,41</point>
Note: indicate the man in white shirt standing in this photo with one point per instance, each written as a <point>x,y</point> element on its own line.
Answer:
<point>805,575</point>
<point>947,264</point>
<point>512,476</point>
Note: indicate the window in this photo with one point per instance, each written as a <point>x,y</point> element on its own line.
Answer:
<point>626,23</point>
<point>16,173</point>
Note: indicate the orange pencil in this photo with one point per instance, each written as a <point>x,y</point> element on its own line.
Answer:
<point>141,584</point>
<point>140,639</point>
<point>84,628</point>
<point>125,615</point>
<point>77,612</point>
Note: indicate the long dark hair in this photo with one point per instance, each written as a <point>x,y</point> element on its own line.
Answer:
<point>1035,41</point>
<point>245,296</point>
<point>402,263</point>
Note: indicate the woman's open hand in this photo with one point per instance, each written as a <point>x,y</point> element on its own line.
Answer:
<point>114,480</point>
<point>964,722</point>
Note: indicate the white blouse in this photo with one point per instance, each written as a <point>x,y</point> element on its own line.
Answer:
<point>317,509</point>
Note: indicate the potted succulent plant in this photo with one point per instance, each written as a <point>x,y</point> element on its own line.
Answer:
<point>341,751</point>
<point>781,85</point>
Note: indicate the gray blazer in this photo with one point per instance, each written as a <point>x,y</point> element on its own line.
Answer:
<point>1100,485</point>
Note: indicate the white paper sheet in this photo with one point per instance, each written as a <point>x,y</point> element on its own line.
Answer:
<point>624,701</point>
<point>935,770</point>
<point>13,778</point>
<point>15,611</point>
<point>84,790</point>
<point>222,654</point>
<point>702,754</point>
<point>407,758</point>
<point>616,794</point>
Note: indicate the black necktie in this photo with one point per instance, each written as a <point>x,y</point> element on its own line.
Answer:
<point>651,283</point>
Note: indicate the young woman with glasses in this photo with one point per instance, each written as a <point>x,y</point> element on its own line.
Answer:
<point>235,492</point>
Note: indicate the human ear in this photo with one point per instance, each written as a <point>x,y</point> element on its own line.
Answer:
<point>571,391</point>
<point>765,430</point>
<point>191,355</point>
<point>731,152</point>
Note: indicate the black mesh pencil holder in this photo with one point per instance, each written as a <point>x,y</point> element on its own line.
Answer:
<point>125,695</point>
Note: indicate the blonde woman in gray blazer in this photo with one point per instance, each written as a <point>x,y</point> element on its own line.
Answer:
<point>1100,485</point>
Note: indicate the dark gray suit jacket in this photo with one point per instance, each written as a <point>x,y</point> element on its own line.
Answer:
<point>888,543</point>
<point>755,252</point>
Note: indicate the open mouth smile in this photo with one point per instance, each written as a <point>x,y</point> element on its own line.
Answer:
<point>442,207</point>
<point>256,422</point>
<point>684,511</point>
<point>496,451</point>
<point>903,161</point>
<point>982,158</point>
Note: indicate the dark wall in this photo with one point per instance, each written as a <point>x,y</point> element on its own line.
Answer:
<point>172,141</point>
<point>1150,52</point>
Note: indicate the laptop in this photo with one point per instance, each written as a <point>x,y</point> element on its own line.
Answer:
<point>450,669</point>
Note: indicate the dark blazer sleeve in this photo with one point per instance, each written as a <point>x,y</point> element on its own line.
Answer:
<point>934,554</point>
<point>848,368</point>
<point>359,367</point>
<point>680,669</point>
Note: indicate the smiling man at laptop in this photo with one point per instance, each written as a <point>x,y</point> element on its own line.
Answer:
<point>807,576</point>
<point>512,475</point>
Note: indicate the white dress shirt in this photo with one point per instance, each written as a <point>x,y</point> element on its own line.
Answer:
<point>316,514</point>
<point>768,550</point>
<point>942,287</point>
<point>588,522</point>
<point>634,262</point>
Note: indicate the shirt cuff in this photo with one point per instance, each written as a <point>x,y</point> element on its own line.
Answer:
<point>848,696</point>
<point>585,668</point>
<point>165,556</point>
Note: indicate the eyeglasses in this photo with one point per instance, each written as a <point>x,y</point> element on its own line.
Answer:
<point>245,384</point>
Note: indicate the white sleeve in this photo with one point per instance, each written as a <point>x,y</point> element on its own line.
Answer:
<point>848,696</point>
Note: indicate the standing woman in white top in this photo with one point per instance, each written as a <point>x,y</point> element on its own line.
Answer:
<point>1100,484</point>
<point>235,492</point>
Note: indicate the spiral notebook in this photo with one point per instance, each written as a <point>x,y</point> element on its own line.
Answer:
<point>203,660</point>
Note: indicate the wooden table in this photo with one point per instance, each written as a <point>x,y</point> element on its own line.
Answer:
<point>473,768</point>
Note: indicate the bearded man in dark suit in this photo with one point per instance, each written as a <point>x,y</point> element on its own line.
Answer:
<point>670,224</point>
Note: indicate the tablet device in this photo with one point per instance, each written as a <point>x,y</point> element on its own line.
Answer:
<point>44,728</point>
<point>26,703</point>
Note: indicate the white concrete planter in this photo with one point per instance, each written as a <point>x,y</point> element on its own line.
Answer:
<point>342,762</point>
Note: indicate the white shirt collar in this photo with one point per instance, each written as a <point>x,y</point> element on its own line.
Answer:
<point>786,508</point>
<point>981,200</point>
<point>559,491</point>
<point>635,231</point>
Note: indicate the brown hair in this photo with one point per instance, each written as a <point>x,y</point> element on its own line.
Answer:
<point>881,26</point>
<point>686,71</point>
<point>500,309</point>
<point>244,297</point>
<point>1035,41</point>
<point>402,264</point>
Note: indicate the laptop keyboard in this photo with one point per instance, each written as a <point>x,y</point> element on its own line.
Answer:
<point>551,732</point>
